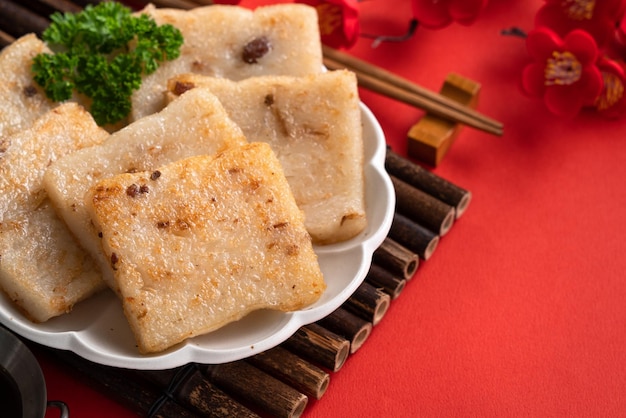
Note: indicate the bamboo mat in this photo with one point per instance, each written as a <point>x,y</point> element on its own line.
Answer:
<point>281,381</point>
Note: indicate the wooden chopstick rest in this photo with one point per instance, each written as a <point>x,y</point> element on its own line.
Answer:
<point>396,259</point>
<point>348,325</point>
<point>425,180</point>
<point>385,281</point>
<point>320,346</point>
<point>262,391</point>
<point>432,136</point>
<point>293,370</point>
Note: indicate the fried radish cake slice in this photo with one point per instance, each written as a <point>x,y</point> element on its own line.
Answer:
<point>193,125</point>
<point>42,267</point>
<point>43,270</point>
<point>236,43</point>
<point>204,241</point>
<point>22,100</point>
<point>313,124</point>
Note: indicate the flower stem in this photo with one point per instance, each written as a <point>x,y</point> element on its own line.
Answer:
<point>514,31</point>
<point>378,39</point>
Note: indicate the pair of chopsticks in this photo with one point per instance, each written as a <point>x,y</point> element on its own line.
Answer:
<point>391,85</point>
<point>369,76</point>
<point>388,84</point>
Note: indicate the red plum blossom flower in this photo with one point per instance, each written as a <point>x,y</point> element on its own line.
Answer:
<point>597,17</point>
<point>612,101</point>
<point>338,21</point>
<point>563,71</point>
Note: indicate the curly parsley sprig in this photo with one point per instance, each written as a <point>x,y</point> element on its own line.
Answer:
<point>102,52</point>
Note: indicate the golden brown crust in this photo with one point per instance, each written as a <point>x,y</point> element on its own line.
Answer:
<point>196,124</point>
<point>203,243</point>
<point>313,124</point>
<point>42,268</point>
<point>22,100</point>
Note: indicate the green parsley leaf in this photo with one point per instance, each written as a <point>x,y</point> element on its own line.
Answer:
<point>102,53</point>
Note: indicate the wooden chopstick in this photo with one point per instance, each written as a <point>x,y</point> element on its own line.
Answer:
<point>64,6</point>
<point>369,76</point>
<point>386,83</point>
<point>174,4</point>
<point>5,39</point>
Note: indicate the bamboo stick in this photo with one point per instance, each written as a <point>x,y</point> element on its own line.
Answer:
<point>423,208</point>
<point>138,398</point>
<point>293,370</point>
<point>413,236</point>
<point>192,389</point>
<point>262,391</point>
<point>425,180</point>
<point>396,259</point>
<point>320,346</point>
<point>348,325</point>
<point>385,281</point>
<point>369,302</point>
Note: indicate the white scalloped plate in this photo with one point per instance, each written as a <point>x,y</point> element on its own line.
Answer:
<point>97,330</point>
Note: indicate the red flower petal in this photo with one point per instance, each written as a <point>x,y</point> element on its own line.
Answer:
<point>612,100</point>
<point>621,32</point>
<point>338,21</point>
<point>351,27</point>
<point>533,80</point>
<point>541,43</point>
<point>551,16</point>
<point>600,23</point>
<point>590,84</point>
<point>465,10</point>
<point>435,14</point>
<point>582,45</point>
<point>563,71</point>
<point>563,100</point>
<point>611,8</point>
<point>432,14</point>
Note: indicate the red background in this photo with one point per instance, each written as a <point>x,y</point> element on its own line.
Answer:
<point>521,311</point>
